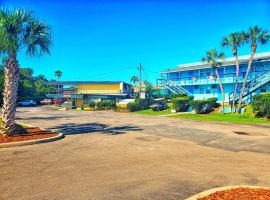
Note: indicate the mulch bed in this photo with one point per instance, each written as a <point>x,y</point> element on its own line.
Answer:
<point>31,134</point>
<point>240,194</point>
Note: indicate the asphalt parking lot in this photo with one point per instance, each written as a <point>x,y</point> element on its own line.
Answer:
<point>108,155</point>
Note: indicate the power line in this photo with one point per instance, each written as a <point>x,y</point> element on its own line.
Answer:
<point>151,71</point>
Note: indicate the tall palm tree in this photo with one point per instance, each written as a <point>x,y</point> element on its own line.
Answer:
<point>134,79</point>
<point>215,60</point>
<point>58,74</point>
<point>19,29</point>
<point>254,36</point>
<point>234,40</point>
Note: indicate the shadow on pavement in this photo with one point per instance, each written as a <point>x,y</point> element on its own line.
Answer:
<point>74,128</point>
<point>44,118</point>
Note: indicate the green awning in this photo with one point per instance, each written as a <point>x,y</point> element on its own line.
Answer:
<point>76,96</point>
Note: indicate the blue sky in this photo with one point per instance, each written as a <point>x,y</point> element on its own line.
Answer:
<point>106,40</point>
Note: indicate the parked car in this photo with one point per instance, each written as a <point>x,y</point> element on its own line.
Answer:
<point>46,102</point>
<point>27,103</point>
<point>57,101</point>
<point>160,104</point>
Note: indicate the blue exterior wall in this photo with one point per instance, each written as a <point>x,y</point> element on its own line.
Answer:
<point>203,84</point>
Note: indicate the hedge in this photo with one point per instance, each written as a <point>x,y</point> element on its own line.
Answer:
<point>92,104</point>
<point>201,106</point>
<point>139,104</point>
<point>261,104</point>
<point>213,101</point>
<point>204,106</point>
<point>181,104</point>
<point>103,105</point>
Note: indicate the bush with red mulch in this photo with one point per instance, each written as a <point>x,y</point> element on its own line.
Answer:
<point>240,194</point>
<point>31,134</point>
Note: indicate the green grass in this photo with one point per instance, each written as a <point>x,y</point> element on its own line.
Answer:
<point>154,113</point>
<point>246,118</point>
<point>230,118</point>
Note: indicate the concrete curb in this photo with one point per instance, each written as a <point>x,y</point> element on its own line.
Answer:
<point>31,142</point>
<point>208,192</point>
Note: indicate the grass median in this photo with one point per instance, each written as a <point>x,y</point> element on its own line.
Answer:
<point>246,118</point>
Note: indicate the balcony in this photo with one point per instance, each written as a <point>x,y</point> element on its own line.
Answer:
<point>212,79</point>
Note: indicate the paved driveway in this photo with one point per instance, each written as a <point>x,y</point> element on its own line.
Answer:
<point>107,155</point>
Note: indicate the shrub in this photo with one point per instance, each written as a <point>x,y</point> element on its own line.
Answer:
<point>82,107</point>
<point>92,104</point>
<point>109,104</point>
<point>99,105</point>
<point>144,103</point>
<point>201,106</point>
<point>181,104</point>
<point>213,101</point>
<point>133,106</point>
<point>139,104</point>
<point>105,105</point>
<point>261,104</point>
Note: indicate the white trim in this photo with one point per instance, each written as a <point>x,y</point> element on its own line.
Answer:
<point>226,62</point>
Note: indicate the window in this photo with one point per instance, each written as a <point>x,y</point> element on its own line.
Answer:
<point>86,100</point>
<point>208,90</point>
<point>201,90</point>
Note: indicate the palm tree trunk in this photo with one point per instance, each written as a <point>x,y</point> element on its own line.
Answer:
<point>10,95</point>
<point>221,88</point>
<point>134,89</point>
<point>245,79</point>
<point>236,82</point>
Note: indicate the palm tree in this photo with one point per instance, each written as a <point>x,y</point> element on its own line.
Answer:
<point>215,60</point>
<point>58,74</point>
<point>19,29</point>
<point>134,79</point>
<point>254,36</point>
<point>234,40</point>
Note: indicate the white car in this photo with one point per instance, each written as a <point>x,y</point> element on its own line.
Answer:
<point>27,103</point>
<point>46,102</point>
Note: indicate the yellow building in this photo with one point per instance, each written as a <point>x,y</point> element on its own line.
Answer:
<point>81,93</point>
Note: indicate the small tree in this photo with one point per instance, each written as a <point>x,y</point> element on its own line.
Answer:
<point>215,60</point>
<point>148,89</point>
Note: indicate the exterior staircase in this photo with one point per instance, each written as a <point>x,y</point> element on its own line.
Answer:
<point>172,86</point>
<point>252,86</point>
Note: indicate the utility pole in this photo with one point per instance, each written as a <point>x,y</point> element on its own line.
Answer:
<point>140,79</point>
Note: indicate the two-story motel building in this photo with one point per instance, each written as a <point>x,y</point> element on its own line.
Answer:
<point>198,79</point>
<point>81,93</point>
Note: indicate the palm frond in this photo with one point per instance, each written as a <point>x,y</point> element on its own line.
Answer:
<point>256,34</point>
<point>19,29</point>
<point>37,38</point>
<point>225,42</point>
<point>213,58</point>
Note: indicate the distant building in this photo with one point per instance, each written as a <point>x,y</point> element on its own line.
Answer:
<point>83,92</point>
<point>198,79</point>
